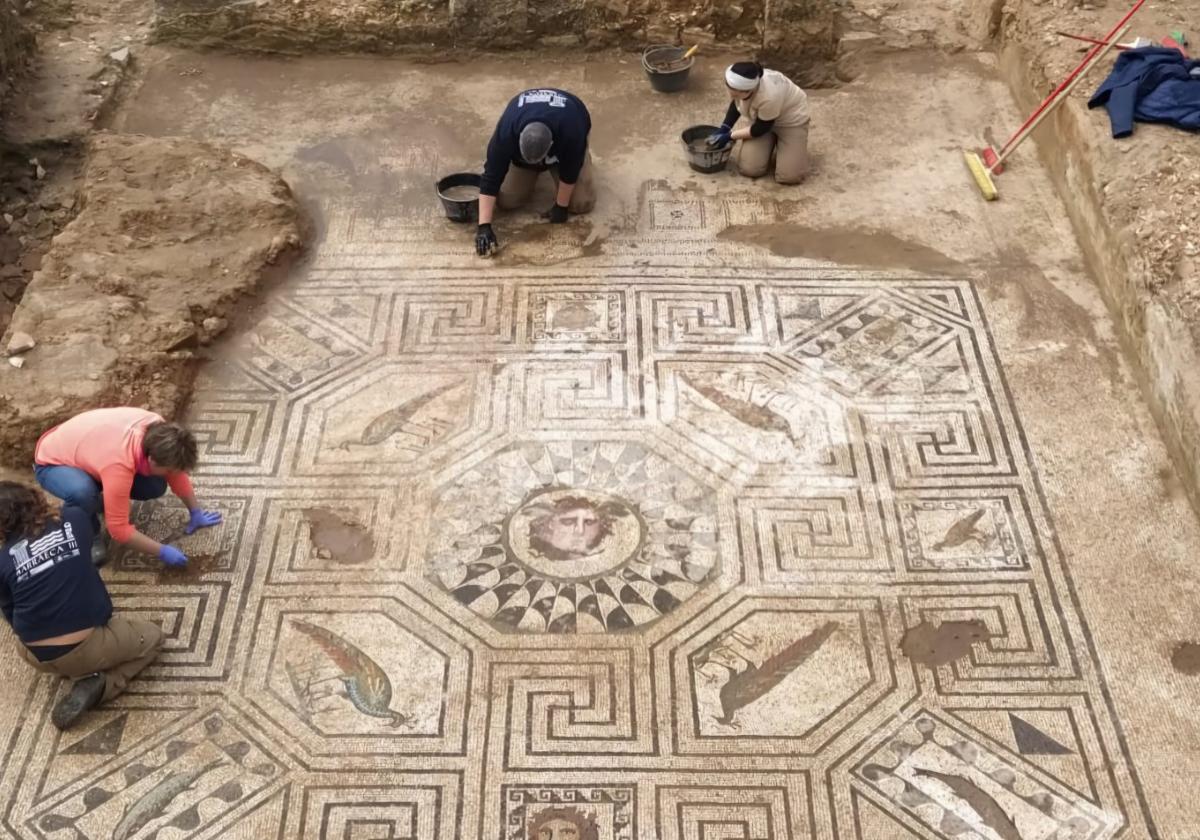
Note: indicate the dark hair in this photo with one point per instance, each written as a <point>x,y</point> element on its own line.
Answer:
<point>748,69</point>
<point>170,446</point>
<point>23,511</point>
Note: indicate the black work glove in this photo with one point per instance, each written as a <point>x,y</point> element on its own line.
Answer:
<point>556,214</point>
<point>486,243</point>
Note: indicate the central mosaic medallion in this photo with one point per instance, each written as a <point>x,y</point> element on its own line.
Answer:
<point>573,537</point>
<point>574,534</point>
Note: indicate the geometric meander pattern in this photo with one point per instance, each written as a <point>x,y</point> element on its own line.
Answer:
<point>621,549</point>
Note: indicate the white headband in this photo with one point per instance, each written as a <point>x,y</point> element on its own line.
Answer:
<point>737,82</point>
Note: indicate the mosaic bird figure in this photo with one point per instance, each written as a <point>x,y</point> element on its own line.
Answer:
<point>299,687</point>
<point>756,681</point>
<point>366,684</point>
<point>402,419</point>
<point>965,530</point>
<point>728,645</point>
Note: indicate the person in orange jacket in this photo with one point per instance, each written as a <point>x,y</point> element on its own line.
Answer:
<point>101,459</point>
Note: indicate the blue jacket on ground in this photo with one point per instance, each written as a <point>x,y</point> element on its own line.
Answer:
<point>569,123</point>
<point>1151,84</point>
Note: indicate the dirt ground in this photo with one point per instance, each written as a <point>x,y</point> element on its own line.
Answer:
<point>66,82</point>
<point>16,43</point>
<point>1134,202</point>
<point>119,256</point>
<point>1150,189</point>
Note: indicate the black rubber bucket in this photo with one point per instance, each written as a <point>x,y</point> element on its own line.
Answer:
<point>701,157</point>
<point>666,68</point>
<point>458,207</point>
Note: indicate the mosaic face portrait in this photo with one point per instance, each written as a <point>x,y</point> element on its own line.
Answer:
<point>573,527</point>
<point>563,824</point>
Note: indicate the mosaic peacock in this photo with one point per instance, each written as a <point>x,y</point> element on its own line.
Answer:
<point>366,684</point>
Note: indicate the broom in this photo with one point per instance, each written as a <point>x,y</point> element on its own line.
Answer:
<point>983,167</point>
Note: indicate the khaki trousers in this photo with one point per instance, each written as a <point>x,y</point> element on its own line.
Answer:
<point>118,650</point>
<point>790,147</point>
<point>519,183</point>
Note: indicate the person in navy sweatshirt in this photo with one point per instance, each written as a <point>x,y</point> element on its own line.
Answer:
<point>58,606</point>
<point>541,129</point>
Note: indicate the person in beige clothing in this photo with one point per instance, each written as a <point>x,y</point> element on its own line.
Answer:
<point>777,110</point>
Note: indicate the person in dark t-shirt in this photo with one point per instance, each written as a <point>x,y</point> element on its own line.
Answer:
<point>541,129</point>
<point>58,606</point>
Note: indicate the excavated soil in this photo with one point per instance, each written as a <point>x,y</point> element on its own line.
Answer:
<point>16,44</point>
<point>333,538</point>
<point>1149,185</point>
<point>1134,203</point>
<point>172,234</point>
<point>37,200</point>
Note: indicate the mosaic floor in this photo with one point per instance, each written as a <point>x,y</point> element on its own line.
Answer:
<point>644,546</point>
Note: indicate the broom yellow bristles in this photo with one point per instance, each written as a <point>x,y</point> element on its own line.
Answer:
<point>981,175</point>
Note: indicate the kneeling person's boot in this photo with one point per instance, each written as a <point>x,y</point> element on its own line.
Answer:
<point>85,694</point>
<point>100,546</point>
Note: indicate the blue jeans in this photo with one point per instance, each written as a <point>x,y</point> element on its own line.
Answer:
<point>75,487</point>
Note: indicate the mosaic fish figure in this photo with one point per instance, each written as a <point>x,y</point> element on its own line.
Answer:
<point>756,681</point>
<point>989,810</point>
<point>156,800</point>
<point>400,419</point>
<point>366,684</point>
<point>755,410</point>
<point>965,530</point>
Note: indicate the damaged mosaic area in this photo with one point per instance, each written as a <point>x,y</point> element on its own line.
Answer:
<point>671,543</point>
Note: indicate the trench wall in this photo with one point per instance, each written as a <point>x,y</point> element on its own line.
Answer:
<point>16,44</point>
<point>1156,332</point>
<point>794,35</point>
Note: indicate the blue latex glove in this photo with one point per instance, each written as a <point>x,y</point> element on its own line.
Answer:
<point>721,138</point>
<point>202,519</point>
<point>172,556</point>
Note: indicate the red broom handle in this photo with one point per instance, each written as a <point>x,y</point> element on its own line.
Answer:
<point>1067,82</point>
<point>1020,138</point>
<point>1088,40</point>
